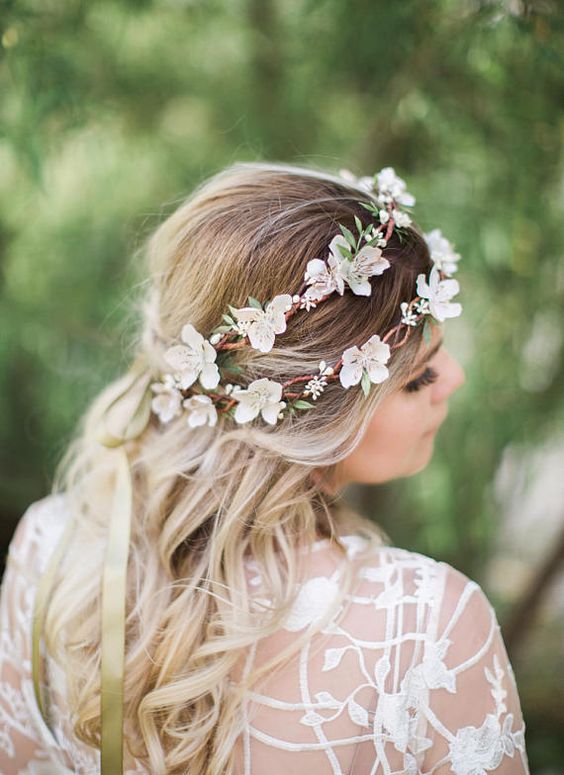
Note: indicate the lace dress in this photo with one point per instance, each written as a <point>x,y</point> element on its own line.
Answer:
<point>412,678</point>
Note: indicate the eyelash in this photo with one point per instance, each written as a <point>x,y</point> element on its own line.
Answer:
<point>426,378</point>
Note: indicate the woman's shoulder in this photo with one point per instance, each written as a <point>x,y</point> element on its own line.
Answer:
<point>390,564</point>
<point>382,580</point>
<point>411,670</point>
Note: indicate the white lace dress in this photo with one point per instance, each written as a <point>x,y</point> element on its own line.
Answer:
<point>414,677</point>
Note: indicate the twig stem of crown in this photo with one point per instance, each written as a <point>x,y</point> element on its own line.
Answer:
<point>351,262</point>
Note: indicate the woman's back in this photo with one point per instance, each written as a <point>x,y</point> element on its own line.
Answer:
<point>410,676</point>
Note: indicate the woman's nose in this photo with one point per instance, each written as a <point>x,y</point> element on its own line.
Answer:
<point>453,376</point>
<point>459,376</point>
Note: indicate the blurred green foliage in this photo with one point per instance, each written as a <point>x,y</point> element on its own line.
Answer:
<point>112,111</point>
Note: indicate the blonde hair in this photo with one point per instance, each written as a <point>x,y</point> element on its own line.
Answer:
<point>206,496</point>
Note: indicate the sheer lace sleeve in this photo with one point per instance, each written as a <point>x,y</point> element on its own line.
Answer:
<point>22,748</point>
<point>26,744</point>
<point>474,719</point>
<point>411,678</point>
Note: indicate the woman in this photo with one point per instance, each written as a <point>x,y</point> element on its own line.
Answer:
<point>269,628</point>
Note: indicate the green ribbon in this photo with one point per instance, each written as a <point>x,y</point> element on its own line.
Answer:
<point>113,579</point>
<point>113,623</point>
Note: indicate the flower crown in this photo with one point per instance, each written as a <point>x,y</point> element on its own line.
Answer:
<point>351,262</point>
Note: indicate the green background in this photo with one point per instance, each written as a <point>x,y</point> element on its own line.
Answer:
<point>111,112</point>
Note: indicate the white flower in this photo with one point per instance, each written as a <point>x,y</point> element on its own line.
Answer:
<point>307,303</point>
<point>382,241</point>
<point>442,251</point>
<point>390,185</point>
<point>262,395</point>
<point>384,216</point>
<point>262,325</point>
<point>201,409</point>
<point>371,234</point>
<point>439,292</point>
<point>318,383</point>
<point>315,386</point>
<point>409,318</point>
<point>324,278</point>
<point>167,403</point>
<point>195,360</point>
<point>366,262</point>
<point>370,357</point>
<point>401,219</point>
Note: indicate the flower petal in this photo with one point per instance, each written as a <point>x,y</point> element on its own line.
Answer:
<point>423,289</point>
<point>180,357</point>
<point>192,337</point>
<point>261,335</point>
<point>351,370</point>
<point>335,246</point>
<point>270,413</point>
<point>209,376</point>
<point>247,314</point>
<point>377,371</point>
<point>360,286</point>
<point>444,309</point>
<point>280,303</point>
<point>376,350</point>
<point>209,352</point>
<point>447,289</point>
<point>245,411</point>
<point>315,267</point>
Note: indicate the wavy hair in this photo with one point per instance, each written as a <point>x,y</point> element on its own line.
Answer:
<point>205,498</point>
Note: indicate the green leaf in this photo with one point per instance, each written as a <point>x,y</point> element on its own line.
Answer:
<point>346,252</point>
<point>221,329</point>
<point>370,207</point>
<point>348,235</point>
<point>427,330</point>
<point>254,302</point>
<point>233,310</point>
<point>359,225</point>
<point>301,404</point>
<point>228,319</point>
<point>365,383</point>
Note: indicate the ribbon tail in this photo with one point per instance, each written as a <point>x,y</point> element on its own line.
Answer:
<point>113,582</point>
<point>113,622</point>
